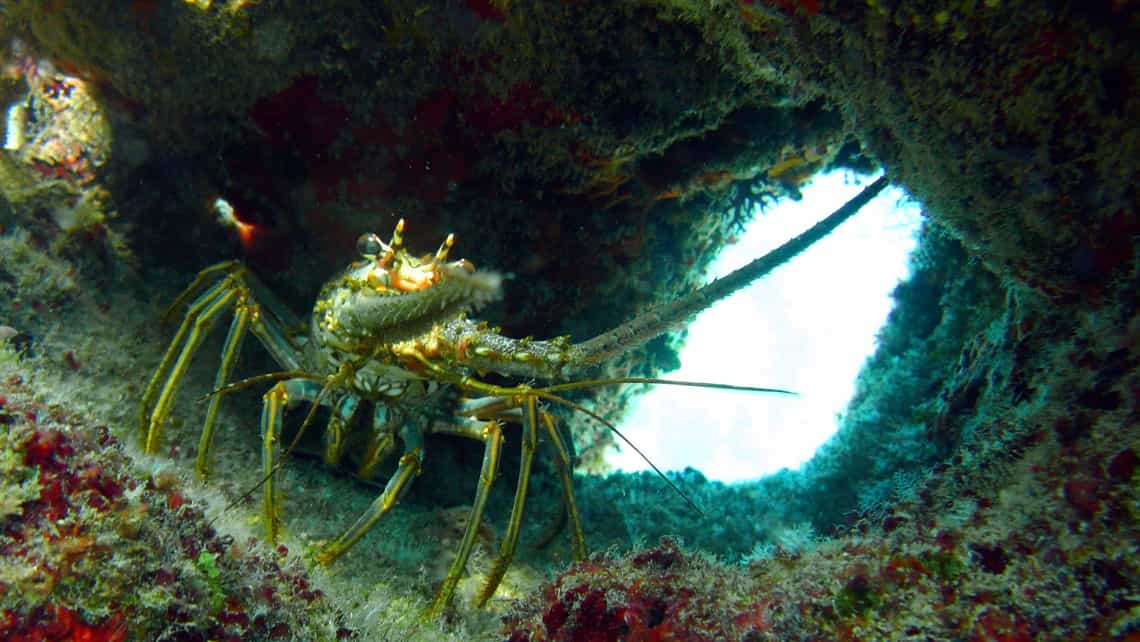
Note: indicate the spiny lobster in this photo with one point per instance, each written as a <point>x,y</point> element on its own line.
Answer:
<point>390,333</point>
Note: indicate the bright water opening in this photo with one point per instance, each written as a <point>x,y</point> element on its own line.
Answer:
<point>808,327</point>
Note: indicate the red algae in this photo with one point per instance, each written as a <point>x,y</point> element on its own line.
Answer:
<point>92,526</point>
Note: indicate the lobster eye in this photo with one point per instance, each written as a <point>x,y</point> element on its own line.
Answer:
<point>369,246</point>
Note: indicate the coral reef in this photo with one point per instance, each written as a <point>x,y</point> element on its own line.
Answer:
<point>1019,151</point>
<point>982,486</point>
<point>661,593</point>
<point>93,550</point>
<point>1049,556</point>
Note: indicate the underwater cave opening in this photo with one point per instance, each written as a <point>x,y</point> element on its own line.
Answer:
<point>808,327</point>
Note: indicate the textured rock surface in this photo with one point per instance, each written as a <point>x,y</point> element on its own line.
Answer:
<point>602,156</point>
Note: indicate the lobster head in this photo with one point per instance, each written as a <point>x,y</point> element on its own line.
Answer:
<point>389,295</point>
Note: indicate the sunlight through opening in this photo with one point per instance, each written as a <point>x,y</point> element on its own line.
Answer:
<point>808,327</point>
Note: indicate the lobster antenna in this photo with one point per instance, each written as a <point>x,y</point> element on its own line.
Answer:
<point>559,359</point>
<point>541,392</point>
<point>293,444</point>
<point>545,393</point>
<point>252,381</point>
<point>584,383</point>
<point>643,328</point>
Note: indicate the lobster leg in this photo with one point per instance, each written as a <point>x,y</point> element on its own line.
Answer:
<point>336,433</point>
<point>283,394</point>
<point>408,469</point>
<point>503,403</point>
<point>565,466</point>
<point>531,417</point>
<point>492,437</point>
<point>511,536</point>
<point>215,272</point>
<point>255,310</point>
<point>382,441</point>
<point>229,355</point>
<point>159,394</point>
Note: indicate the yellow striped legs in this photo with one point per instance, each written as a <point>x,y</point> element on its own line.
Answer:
<point>230,350</point>
<point>491,435</point>
<point>505,407</point>
<point>281,396</point>
<point>256,310</point>
<point>531,417</point>
<point>386,422</point>
<point>467,424</point>
<point>272,409</point>
<point>511,535</point>
<point>476,418</point>
<point>409,467</point>
<point>199,320</point>
<point>564,462</point>
<point>340,422</point>
<point>505,404</point>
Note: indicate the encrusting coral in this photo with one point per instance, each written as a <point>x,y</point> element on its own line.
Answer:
<point>93,550</point>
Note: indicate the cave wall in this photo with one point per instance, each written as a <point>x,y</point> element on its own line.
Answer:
<point>602,156</point>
